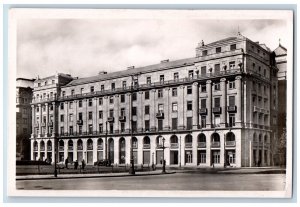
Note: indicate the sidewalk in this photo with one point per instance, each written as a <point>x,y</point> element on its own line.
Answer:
<point>75,176</point>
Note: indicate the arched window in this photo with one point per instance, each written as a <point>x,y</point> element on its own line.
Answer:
<point>90,144</point>
<point>42,145</point>
<point>79,145</point>
<point>215,137</point>
<point>49,145</point>
<point>70,145</point>
<point>254,137</point>
<point>134,143</point>
<point>35,146</point>
<point>230,136</point>
<point>100,144</point>
<point>266,139</point>
<point>201,138</point>
<point>61,145</point>
<point>146,142</point>
<point>260,138</point>
<point>188,141</point>
<point>174,139</point>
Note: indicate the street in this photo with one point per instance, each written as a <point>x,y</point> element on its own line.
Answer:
<point>177,181</point>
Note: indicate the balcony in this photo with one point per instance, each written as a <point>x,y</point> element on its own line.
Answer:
<point>35,148</point>
<point>255,144</point>
<point>201,144</point>
<point>231,109</point>
<point>79,147</point>
<point>158,146</point>
<point>100,147</point>
<point>160,115</point>
<point>255,109</point>
<point>122,118</point>
<point>42,135</point>
<point>50,124</point>
<point>216,110</point>
<point>36,125</point>
<point>203,111</point>
<point>146,146</point>
<point>262,110</point>
<point>110,119</point>
<point>49,148</point>
<point>43,124</point>
<point>188,145</point>
<point>42,148</point>
<point>61,148</point>
<point>79,122</point>
<point>215,144</point>
<point>230,143</point>
<point>70,147</point>
<point>174,145</point>
<point>89,147</point>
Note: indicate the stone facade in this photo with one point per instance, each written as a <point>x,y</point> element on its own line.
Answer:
<point>213,110</point>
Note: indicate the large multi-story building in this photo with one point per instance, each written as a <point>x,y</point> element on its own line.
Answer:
<point>23,121</point>
<point>213,109</point>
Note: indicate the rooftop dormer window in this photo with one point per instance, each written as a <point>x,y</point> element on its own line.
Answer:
<point>233,47</point>
<point>204,52</point>
<point>92,89</point>
<point>218,49</point>
<point>39,84</point>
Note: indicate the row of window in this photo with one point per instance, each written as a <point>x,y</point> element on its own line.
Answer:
<point>45,83</point>
<point>219,50</point>
<point>174,126</point>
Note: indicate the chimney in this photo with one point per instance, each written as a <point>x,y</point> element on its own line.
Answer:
<point>164,61</point>
<point>130,67</point>
<point>102,72</point>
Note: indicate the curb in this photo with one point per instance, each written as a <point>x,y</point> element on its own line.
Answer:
<point>96,176</point>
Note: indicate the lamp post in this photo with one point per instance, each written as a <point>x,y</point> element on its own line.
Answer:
<point>55,156</point>
<point>180,151</point>
<point>164,164</point>
<point>131,169</point>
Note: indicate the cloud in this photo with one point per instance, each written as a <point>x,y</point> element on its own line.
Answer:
<point>82,47</point>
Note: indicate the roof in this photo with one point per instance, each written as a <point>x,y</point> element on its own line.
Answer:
<point>280,50</point>
<point>129,72</point>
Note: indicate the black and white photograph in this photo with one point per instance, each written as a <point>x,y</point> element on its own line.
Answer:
<point>160,103</point>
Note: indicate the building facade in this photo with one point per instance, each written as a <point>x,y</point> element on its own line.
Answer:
<point>23,117</point>
<point>213,109</point>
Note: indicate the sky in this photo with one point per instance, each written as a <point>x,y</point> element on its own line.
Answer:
<point>83,47</point>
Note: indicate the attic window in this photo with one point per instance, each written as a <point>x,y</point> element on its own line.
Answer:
<point>233,47</point>
<point>204,52</point>
<point>218,49</point>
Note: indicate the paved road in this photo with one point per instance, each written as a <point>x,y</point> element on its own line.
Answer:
<point>178,181</point>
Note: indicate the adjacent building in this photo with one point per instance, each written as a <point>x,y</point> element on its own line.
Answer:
<point>214,109</point>
<point>23,117</point>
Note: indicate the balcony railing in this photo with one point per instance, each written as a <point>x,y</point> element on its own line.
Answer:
<point>146,146</point>
<point>43,124</point>
<point>79,147</point>
<point>50,123</point>
<point>230,143</point>
<point>255,144</point>
<point>89,147</point>
<point>70,147</point>
<point>49,148</point>
<point>42,148</point>
<point>203,111</point>
<point>39,100</point>
<point>110,119</point>
<point>122,118</point>
<point>42,135</point>
<point>61,148</point>
<point>160,115</point>
<point>174,145</point>
<point>201,144</point>
<point>256,109</point>
<point>216,110</point>
<point>215,144</point>
<point>159,145</point>
<point>35,148</point>
<point>36,125</point>
<point>134,145</point>
<point>155,84</point>
<point>188,145</point>
<point>100,147</point>
<point>79,122</point>
<point>231,109</point>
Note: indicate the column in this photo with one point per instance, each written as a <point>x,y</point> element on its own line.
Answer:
<point>140,106</point>
<point>181,108</point>
<point>95,150</point>
<point>46,149</point>
<point>66,149</point>
<point>74,149</point>
<point>54,120</point>
<point>116,150</point>
<point>238,83</point>
<point>53,150</point>
<point>195,106</point>
<point>140,150</point>
<point>117,113</point>
<point>152,109</point>
<point>223,102</point>
<point>128,113</point>
<point>195,149</point>
<point>47,119</point>
<point>84,151</point>
<point>33,121</point>
<point>39,149</point>
<point>40,120</point>
<point>105,113</point>
<point>31,149</point>
<point>167,106</point>
<point>209,103</point>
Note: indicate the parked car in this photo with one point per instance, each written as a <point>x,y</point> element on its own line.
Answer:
<point>102,163</point>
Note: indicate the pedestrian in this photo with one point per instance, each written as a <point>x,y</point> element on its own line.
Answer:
<point>66,162</point>
<point>76,164</point>
<point>83,164</point>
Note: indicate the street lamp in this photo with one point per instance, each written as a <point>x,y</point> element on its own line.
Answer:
<point>180,151</point>
<point>55,155</point>
<point>105,141</point>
